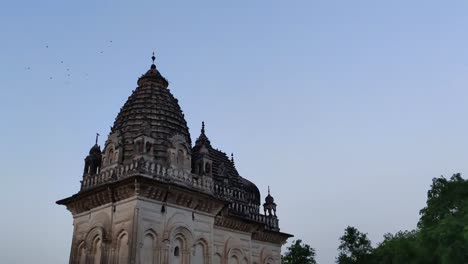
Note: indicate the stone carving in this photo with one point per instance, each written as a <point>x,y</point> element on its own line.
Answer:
<point>199,209</point>
<point>179,154</point>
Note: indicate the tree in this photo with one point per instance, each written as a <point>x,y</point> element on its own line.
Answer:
<point>441,236</point>
<point>447,197</point>
<point>444,221</point>
<point>402,247</point>
<point>299,253</point>
<point>355,247</point>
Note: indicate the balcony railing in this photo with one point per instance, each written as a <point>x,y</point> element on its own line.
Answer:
<point>151,170</point>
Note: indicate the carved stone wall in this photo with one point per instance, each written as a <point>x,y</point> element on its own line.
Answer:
<point>144,231</point>
<point>142,202</point>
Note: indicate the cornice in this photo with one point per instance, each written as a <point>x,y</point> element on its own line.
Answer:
<point>138,186</point>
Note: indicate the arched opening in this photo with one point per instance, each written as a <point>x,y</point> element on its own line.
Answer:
<point>97,250</point>
<point>235,254</point>
<point>181,241</point>
<point>176,256</point>
<point>81,253</point>
<point>233,260</point>
<point>199,252</point>
<point>180,157</point>
<point>139,146</point>
<point>147,249</point>
<point>111,156</point>
<point>86,166</point>
<point>148,147</point>
<point>217,259</point>
<point>123,249</point>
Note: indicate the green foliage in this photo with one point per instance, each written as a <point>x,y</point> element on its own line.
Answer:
<point>445,199</point>
<point>355,247</point>
<point>444,221</point>
<point>299,253</point>
<point>402,247</point>
<point>441,237</point>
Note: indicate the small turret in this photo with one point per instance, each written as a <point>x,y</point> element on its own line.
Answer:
<point>269,205</point>
<point>203,165</point>
<point>93,160</point>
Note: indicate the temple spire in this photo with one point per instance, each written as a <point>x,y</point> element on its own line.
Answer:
<point>203,139</point>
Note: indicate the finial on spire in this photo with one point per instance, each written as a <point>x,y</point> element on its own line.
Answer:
<point>268,189</point>
<point>153,66</point>
<point>203,127</point>
<point>232,157</point>
<point>97,137</point>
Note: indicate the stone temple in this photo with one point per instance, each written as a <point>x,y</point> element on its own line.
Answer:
<point>150,196</point>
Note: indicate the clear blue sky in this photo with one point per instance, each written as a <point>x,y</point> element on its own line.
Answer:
<point>347,109</point>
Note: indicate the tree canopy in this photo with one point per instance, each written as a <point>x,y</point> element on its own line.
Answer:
<point>299,253</point>
<point>441,236</point>
<point>355,247</point>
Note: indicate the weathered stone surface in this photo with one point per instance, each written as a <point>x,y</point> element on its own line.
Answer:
<point>149,197</point>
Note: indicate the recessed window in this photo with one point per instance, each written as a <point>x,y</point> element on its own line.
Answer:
<point>176,252</point>
<point>148,147</point>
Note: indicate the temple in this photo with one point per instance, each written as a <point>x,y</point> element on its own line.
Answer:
<point>150,196</point>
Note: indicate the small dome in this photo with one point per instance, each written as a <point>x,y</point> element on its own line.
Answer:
<point>269,199</point>
<point>251,188</point>
<point>93,160</point>
<point>96,149</point>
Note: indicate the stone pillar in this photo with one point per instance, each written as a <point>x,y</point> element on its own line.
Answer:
<point>186,256</point>
<point>105,252</point>
<point>89,256</point>
<point>165,252</point>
